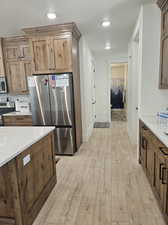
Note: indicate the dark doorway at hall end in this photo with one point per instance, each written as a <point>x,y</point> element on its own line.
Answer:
<point>118,91</point>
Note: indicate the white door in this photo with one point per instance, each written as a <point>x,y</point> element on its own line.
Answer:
<point>135,91</point>
<point>93,94</point>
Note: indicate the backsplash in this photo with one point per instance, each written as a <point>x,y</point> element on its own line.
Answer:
<point>12,98</point>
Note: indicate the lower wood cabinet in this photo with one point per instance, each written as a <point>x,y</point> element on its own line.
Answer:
<point>153,156</point>
<point>160,184</point>
<point>24,188</point>
<point>150,162</point>
<point>17,120</point>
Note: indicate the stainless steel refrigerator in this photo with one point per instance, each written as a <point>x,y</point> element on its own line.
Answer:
<point>52,104</point>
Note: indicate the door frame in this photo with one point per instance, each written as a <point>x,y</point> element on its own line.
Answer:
<point>123,60</point>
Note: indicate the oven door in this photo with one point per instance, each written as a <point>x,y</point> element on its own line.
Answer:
<point>3,85</point>
<point>1,121</point>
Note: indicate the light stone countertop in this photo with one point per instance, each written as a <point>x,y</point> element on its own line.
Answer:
<point>18,114</point>
<point>157,127</point>
<point>14,140</point>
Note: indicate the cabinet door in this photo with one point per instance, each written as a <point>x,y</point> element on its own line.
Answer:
<point>160,177</point>
<point>27,68</point>
<point>40,48</point>
<point>26,71</point>
<point>63,54</point>
<point>35,176</point>
<point>2,69</point>
<point>12,53</point>
<point>166,189</point>
<point>143,153</point>
<point>25,52</point>
<point>164,63</point>
<point>150,161</point>
<point>164,22</point>
<point>16,79</point>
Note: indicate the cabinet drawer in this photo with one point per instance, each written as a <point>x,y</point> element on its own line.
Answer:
<point>17,120</point>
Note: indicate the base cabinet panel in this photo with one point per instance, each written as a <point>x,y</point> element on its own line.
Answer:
<point>160,180</point>
<point>154,161</point>
<point>25,187</point>
<point>17,120</point>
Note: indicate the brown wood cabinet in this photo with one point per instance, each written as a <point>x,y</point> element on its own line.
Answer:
<point>163,82</point>
<point>24,188</point>
<point>160,180</point>
<point>18,120</point>
<point>51,54</point>
<point>18,64</point>
<point>154,161</point>
<point>2,68</point>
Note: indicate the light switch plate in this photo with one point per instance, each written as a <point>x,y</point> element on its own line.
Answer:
<point>26,159</point>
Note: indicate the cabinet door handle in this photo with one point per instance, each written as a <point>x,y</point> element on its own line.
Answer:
<point>163,175</point>
<point>144,143</point>
<point>162,149</point>
<point>51,68</point>
<point>160,171</point>
<point>144,127</point>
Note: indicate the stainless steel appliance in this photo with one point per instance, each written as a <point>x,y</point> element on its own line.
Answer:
<point>52,104</point>
<point>3,85</point>
<point>5,107</point>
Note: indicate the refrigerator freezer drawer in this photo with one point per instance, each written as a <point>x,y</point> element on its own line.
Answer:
<point>64,141</point>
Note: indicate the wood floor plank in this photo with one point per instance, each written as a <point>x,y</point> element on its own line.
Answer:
<point>103,184</point>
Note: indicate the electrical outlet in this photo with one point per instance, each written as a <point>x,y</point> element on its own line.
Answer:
<point>26,159</point>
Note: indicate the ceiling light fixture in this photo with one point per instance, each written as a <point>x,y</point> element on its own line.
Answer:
<point>51,15</point>
<point>106,23</point>
<point>108,46</point>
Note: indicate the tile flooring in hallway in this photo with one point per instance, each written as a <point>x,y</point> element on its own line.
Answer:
<point>103,184</point>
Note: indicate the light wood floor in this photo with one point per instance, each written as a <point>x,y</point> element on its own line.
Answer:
<point>102,185</point>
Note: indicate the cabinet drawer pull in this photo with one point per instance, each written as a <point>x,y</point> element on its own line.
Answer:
<point>144,143</point>
<point>51,68</point>
<point>164,180</point>
<point>162,149</point>
<point>160,171</point>
<point>20,118</point>
<point>144,127</point>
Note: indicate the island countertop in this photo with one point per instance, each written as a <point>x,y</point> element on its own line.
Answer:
<point>158,128</point>
<point>14,140</point>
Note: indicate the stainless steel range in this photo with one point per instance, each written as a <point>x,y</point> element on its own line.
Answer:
<point>5,107</point>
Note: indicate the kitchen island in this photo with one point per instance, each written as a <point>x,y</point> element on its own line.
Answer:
<point>27,172</point>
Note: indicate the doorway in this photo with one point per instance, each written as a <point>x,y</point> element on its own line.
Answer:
<point>118,91</point>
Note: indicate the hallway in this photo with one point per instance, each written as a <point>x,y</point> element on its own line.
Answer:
<point>102,185</point>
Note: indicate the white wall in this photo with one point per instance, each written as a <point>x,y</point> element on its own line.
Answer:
<point>102,89</point>
<point>103,81</point>
<point>86,71</point>
<point>150,98</point>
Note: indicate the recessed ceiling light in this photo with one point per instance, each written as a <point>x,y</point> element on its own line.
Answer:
<point>108,46</point>
<point>106,23</point>
<point>51,16</point>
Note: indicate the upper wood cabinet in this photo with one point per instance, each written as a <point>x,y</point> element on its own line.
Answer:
<point>163,81</point>
<point>51,48</point>
<point>40,55</point>
<point>51,54</point>
<point>2,69</point>
<point>17,64</point>
<point>62,54</point>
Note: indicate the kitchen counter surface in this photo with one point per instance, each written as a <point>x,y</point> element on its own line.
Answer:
<point>15,140</point>
<point>158,128</point>
<point>18,114</point>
